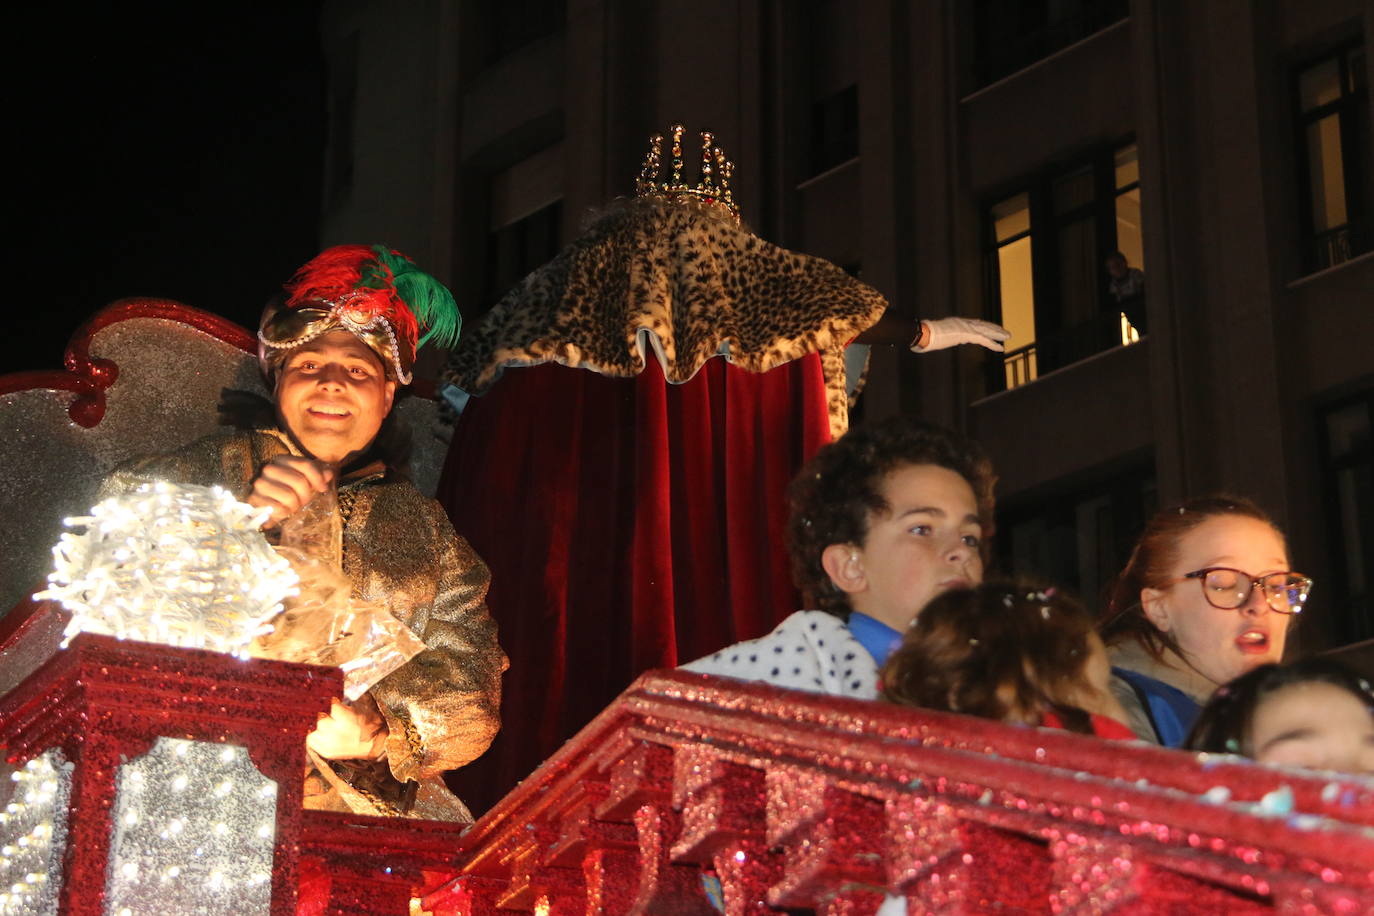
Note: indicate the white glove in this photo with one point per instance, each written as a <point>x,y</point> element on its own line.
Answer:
<point>950,332</point>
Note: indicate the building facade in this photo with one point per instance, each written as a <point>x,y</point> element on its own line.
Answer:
<point>981,159</point>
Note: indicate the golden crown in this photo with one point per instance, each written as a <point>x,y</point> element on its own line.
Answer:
<point>714,187</point>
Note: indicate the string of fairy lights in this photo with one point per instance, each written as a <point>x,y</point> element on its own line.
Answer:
<point>174,564</point>
<point>33,833</point>
<point>194,828</point>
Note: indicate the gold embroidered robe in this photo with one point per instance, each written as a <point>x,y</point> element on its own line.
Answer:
<point>442,708</point>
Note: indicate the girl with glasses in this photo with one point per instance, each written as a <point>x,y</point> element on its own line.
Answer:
<point>1208,595</point>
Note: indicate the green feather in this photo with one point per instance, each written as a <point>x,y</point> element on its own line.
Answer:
<point>429,299</point>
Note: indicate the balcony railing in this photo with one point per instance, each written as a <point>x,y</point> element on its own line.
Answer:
<point>1336,246</point>
<point>1023,365</point>
<point>691,789</point>
<point>687,795</point>
<point>104,717</point>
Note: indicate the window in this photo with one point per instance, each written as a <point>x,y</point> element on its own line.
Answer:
<point>1333,146</point>
<point>511,24</point>
<point>830,65</point>
<point>1080,536</point>
<point>1053,273</point>
<point>1012,34</point>
<point>1348,458</point>
<point>517,248</point>
<point>834,130</point>
<point>524,227</point>
<point>1011,228</point>
<point>1130,243</point>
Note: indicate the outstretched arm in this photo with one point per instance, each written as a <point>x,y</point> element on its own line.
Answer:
<point>893,330</point>
<point>951,332</point>
<point>923,336</point>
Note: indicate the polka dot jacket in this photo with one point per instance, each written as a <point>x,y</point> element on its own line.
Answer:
<point>810,650</point>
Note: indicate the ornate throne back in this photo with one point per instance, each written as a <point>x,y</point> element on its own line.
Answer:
<point>142,376</point>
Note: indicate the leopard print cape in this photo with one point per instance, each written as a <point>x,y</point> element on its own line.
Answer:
<point>683,279</point>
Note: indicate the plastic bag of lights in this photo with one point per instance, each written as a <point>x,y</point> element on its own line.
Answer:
<point>170,563</point>
<point>323,623</point>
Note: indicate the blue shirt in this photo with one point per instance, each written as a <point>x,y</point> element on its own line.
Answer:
<point>877,637</point>
<point>1172,712</point>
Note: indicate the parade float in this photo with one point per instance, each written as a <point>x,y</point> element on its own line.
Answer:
<point>154,778</point>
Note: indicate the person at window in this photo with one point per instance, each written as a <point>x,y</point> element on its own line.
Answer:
<point>1012,652</point>
<point>1314,713</point>
<point>335,351</point>
<point>882,521</point>
<point>1207,595</point>
<point>1126,284</point>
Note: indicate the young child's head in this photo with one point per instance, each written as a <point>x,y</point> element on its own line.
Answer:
<point>887,517</point>
<point>1006,651</point>
<point>1313,713</point>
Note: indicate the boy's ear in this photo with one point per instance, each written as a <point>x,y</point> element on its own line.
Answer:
<point>842,564</point>
<point>1155,609</point>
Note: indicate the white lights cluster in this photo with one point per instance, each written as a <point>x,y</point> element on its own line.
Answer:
<point>174,564</point>
<point>33,835</point>
<point>194,827</point>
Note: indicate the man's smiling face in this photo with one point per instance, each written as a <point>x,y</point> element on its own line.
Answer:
<point>332,394</point>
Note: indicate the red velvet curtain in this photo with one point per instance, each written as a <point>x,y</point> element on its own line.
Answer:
<point>629,524</point>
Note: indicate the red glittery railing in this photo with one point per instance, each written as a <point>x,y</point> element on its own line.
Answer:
<point>103,702</point>
<point>691,793</point>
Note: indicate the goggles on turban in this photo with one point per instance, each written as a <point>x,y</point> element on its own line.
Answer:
<point>371,291</point>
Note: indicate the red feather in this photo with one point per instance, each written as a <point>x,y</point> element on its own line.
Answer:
<point>338,271</point>
<point>329,275</point>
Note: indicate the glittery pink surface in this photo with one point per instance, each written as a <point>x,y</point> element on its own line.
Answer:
<point>799,800</point>
<point>746,870</point>
<point>370,865</point>
<point>30,634</point>
<point>103,701</point>
<point>665,887</point>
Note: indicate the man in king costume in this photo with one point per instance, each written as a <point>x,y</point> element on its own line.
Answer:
<point>334,351</point>
<point>638,406</point>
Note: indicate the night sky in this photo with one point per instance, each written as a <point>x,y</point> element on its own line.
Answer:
<point>161,151</point>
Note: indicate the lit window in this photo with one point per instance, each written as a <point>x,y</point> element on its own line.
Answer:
<point>1016,289</point>
<point>1130,240</point>
<point>1053,267</point>
<point>1333,126</point>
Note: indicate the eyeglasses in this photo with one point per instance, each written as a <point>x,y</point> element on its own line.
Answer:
<point>1228,589</point>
